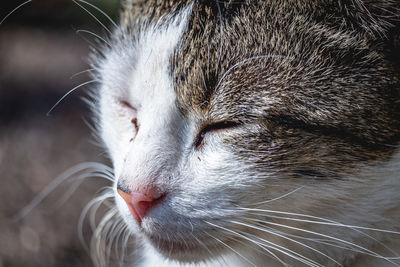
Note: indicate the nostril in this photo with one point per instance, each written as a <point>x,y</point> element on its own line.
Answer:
<point>122,187</point>
<point>141,201</point>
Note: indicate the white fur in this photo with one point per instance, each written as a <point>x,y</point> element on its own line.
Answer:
<point>147,86</point>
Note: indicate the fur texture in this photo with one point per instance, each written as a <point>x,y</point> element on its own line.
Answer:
<point>271,127</point>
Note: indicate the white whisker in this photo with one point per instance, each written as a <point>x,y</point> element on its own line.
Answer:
<point>98,250</point>
<point>81,72</point>
<point>326,221</point>
<point>332,223</point>
<point>95,35</point>
<point>68,93</point>
<point>93,16</point>
<point>280,197</point>
<point>15,9</point>
<point>271,245</point>
<point>68,174</point>
<point>101,11</point>
<point>287,238</point>
<point>124,245</point>
<point>264,250</point>
<point>112,237</point>
<point>229,247</point>
<point>96,202</point>
<point>290,253</point>
<point>77,182</point>
<point>94,49</point>
<point>329,237</point>
<point>203,245</point>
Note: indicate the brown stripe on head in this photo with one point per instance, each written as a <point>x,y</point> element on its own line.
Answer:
<point>137,12</point>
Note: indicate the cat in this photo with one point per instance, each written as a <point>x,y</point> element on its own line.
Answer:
<point>254,133</point>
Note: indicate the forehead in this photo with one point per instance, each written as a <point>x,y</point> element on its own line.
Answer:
<point>219,35</point>
<point>229,43</point>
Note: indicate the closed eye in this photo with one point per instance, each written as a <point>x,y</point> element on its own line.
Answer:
<point>222,125</point>
<point>131,112</point>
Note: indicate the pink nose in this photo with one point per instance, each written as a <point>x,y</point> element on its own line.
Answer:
<point>140,203</point>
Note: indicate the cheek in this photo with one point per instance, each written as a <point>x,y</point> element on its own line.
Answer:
<point>219,173</point>
<point>118,131</point>
<point>215,166</point>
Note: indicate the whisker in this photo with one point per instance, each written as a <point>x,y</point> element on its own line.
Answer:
<point>96,202</point>
<point>203,245</point>
<point>81,72</point>
<point>271,245</point>
<point>93,16</point>
<point>68,93</point>
<point>97,243</point>
<point>265,251</point>
<point>333,243</point>
<point>292,254</point>
<point>232,249</point>
<point>121,244</point>
<point>94,49</point>
<point>95,35</point>
<point>280,197</point>
<point>326,221</point>
<point>101,11</point>
<point>332,223</point>
<point>121,232</point>
<point>287,238</point>
<point>55,183</point>
<point>77,182</point>
<point>124,245</point>
<point>216,246</point>
<point>15,9</point>
<point>326,236</point>
<point>112,236</point>
<point>70,192</point>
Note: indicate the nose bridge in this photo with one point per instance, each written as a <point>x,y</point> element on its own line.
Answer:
<point>153,155</point>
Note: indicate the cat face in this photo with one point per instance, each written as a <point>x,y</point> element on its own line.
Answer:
<point>228,121</point>
<point>153,144</point>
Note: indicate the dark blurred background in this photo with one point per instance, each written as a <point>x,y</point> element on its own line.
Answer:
<point>39,52</point>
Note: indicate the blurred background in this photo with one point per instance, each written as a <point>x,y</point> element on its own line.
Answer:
<point>40,51</point>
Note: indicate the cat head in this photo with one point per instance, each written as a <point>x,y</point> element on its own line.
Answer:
<point>223,118</point>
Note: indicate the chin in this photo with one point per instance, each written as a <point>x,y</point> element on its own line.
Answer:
<point>179,251</point>
<point>175,242</point>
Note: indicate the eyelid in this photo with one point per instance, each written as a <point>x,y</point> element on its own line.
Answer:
<point>127,105</point>
<point>212,127</point>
